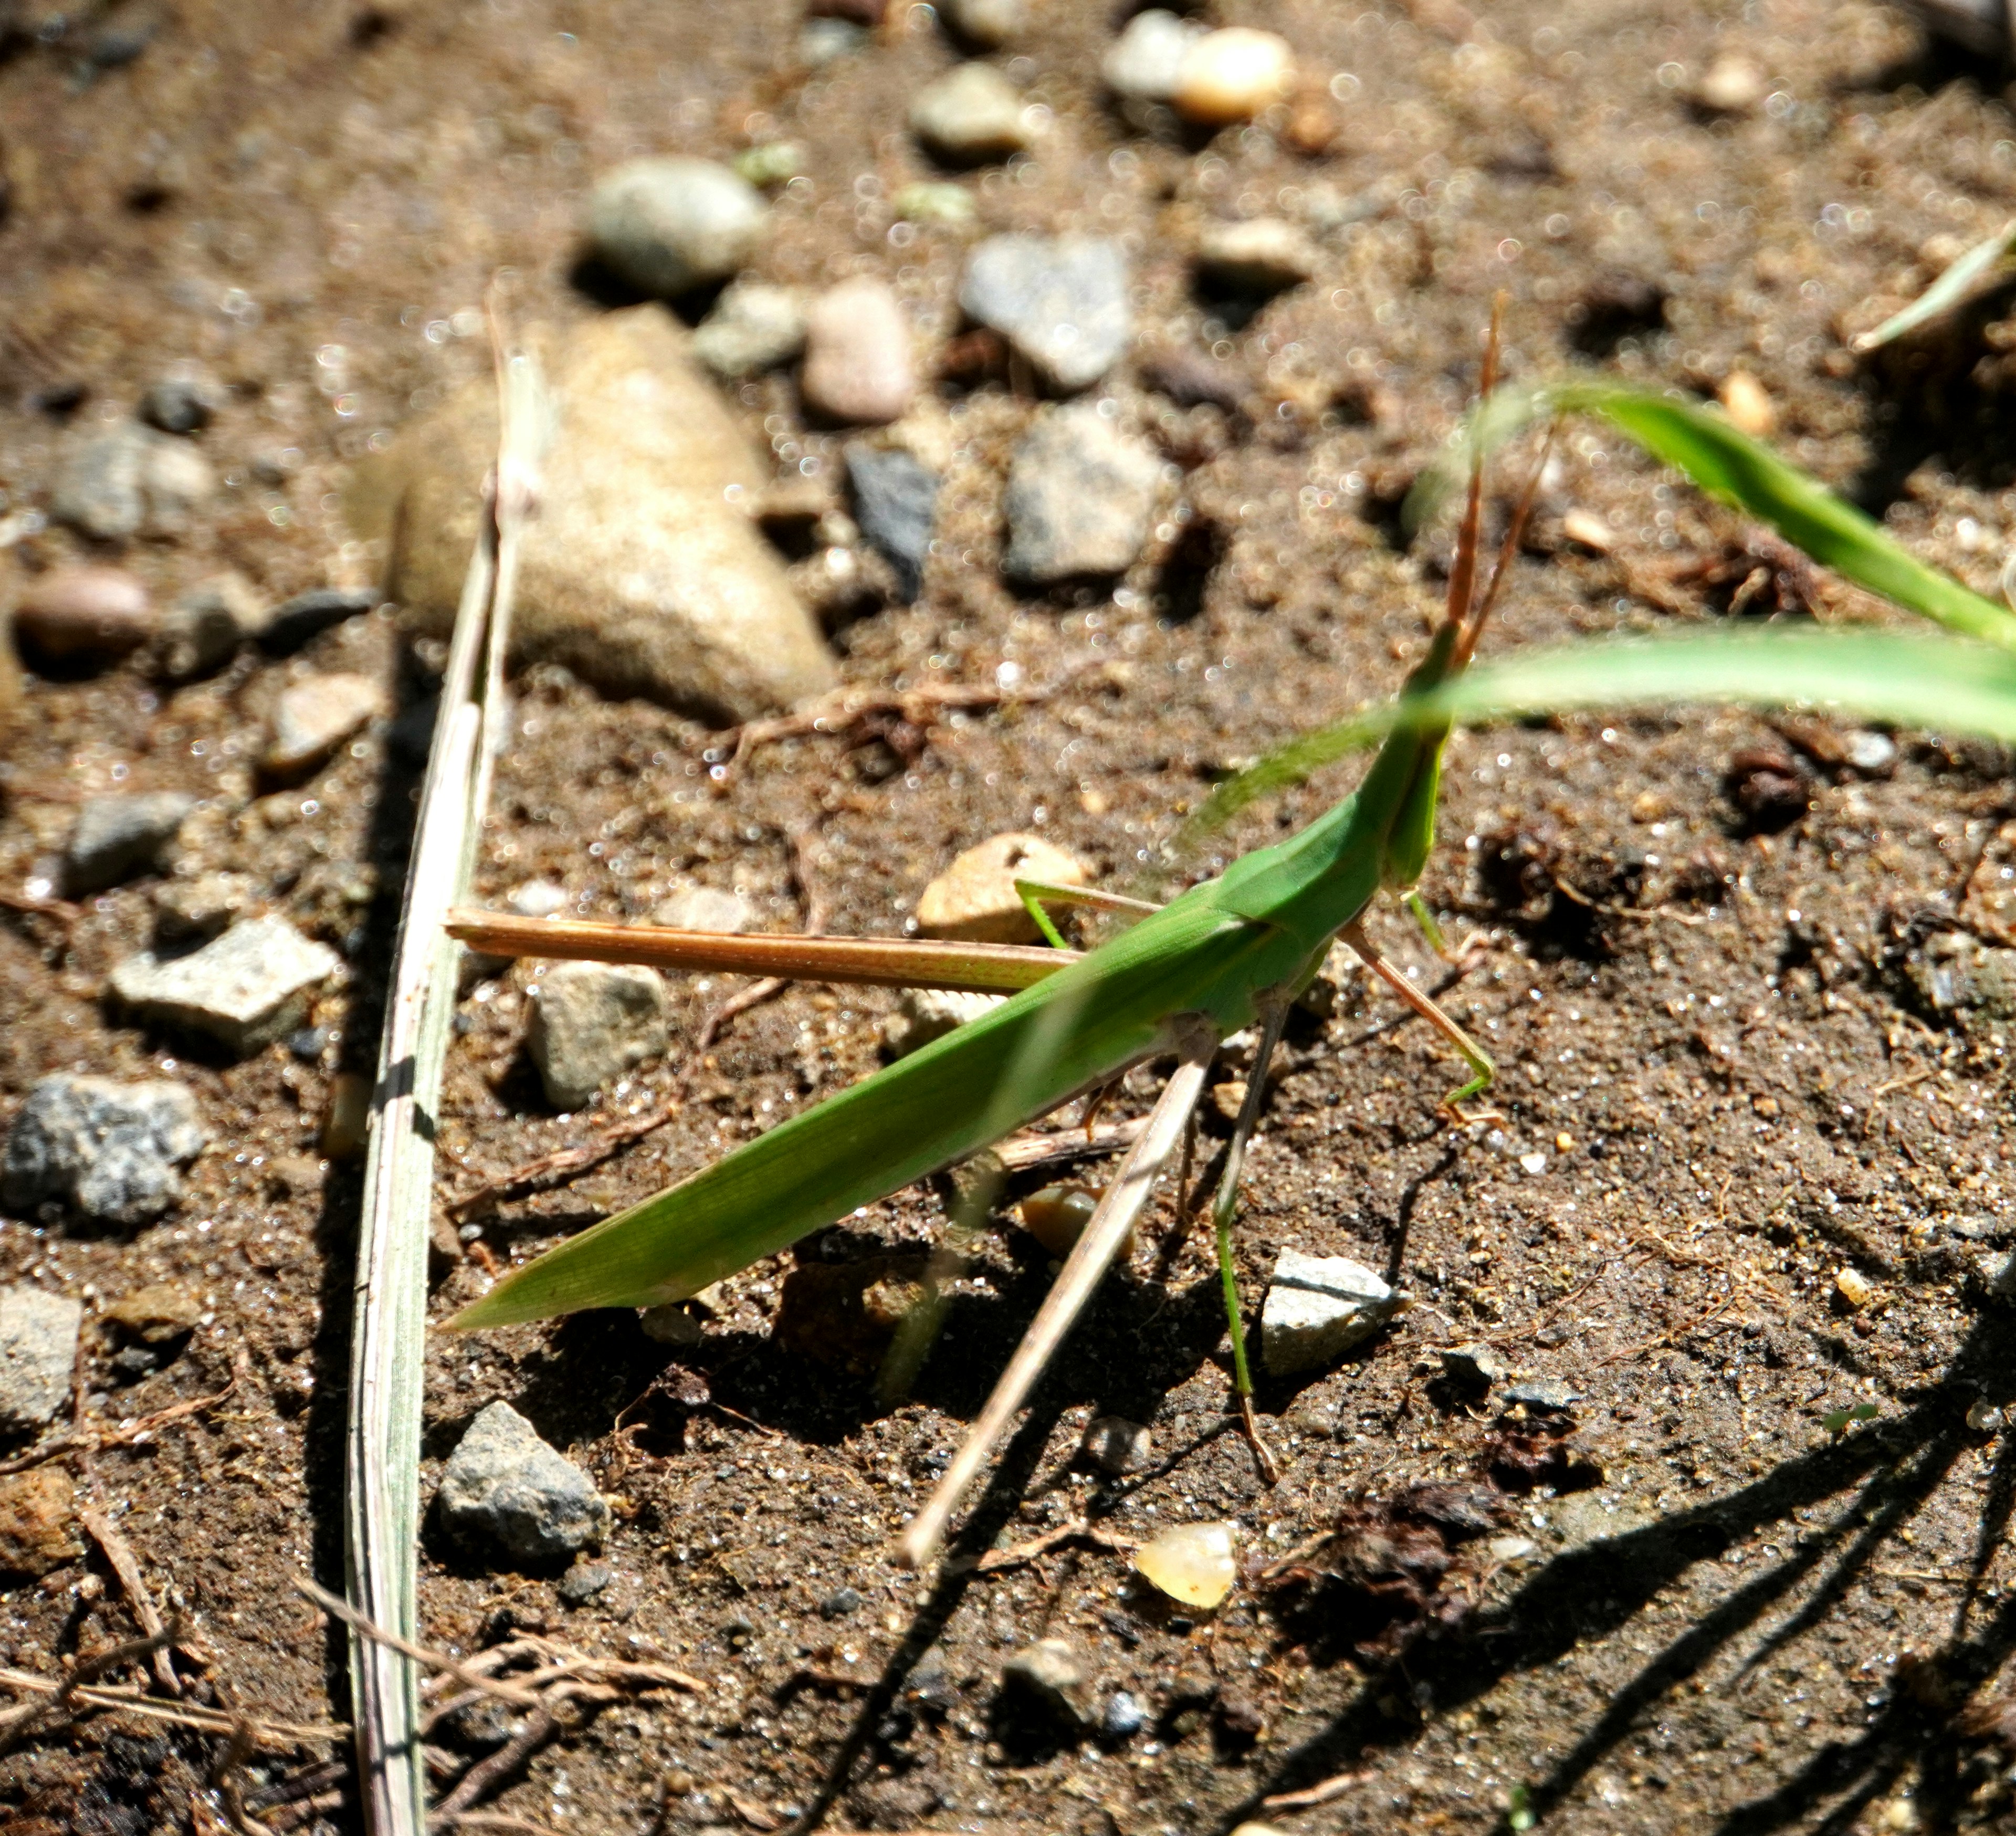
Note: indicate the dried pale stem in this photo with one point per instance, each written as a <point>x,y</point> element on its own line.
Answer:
<point>126,1566</point>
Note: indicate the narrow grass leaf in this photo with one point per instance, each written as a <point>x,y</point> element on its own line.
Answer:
<point>1952,285</point>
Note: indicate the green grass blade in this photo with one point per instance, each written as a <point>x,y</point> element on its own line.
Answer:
<point>1729,464</point>
<point>1952,286</point>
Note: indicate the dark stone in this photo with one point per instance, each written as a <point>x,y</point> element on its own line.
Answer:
<point>895,497</point>
<point>840,1604</point>
<point>309,614</point>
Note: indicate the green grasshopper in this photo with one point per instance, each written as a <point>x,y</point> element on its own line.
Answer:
<point>1230,954</point>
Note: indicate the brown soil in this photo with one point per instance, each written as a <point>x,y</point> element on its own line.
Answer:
<point>1752,1621</point>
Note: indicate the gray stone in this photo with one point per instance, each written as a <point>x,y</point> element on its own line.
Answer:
<point>701,908</point>
<point>1060,301</point>
<point>591,1022</point>
<point>1318,1308</point>
<point>203,628</point>
<point>924,1014</point>
<point>314,716</point>
<point>986,22</point>
<point>858,364</point>
<point>841,1604</point>
<point>643,573</point>
<point>1124,1715</point>
<point>246,988</point>
<point>112,1150</point>
<point>39,1332</point>
<point>506,1491</point>
<point>1476,1366</point>
<point>309,614</point>
<point>1956,972</point>
<point>753,327</point>
<point>183,403</point>
<point>1051,1676</point>
<point>971,113</point>
<point>116,837</point>
<point>1115,1445</point>
<point>1263,255</point>
<point>895,499</point>
<point>130,480</point>
<point>585,1582</point>
<point>1080,495</point>
<point>669,225</point>
<point>1547,1394</point>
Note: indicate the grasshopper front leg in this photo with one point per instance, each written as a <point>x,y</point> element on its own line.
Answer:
<point>1473,1055</point>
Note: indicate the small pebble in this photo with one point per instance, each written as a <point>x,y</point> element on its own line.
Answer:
<point>347,1126</point>
<point>182,404</point>
<point>83,614</point>
<point>130,480</point>
<point>1057,1216</point>
<point>37,1510</point>
<point>822,41</point>
<point>753,327</point>
<point>294,622</point>
<point>895,500</point>
<point>1871,754</point>
<point>1731,85</point>
<point>585,1582</point>
<point>986,23</point>
<point>1145,62</point>
<point>1115,1445</point>
<point>204,628</point>
<point>1549,1396</point>
<point>670,1325</point>
<point>591,1023</point>
<point>113,1150</point>
<point>1317,1308</point>
<point>117,836</point>
<point>1854,1287</point>
<point>1079,498</point>
<point>156,1315</point>
<point>1191,379</point>
<point>970,114</point>
<point>924,1014</point>
<point>842,1604</point>
<point>246,988</point>
<point>1474,1366</point>
<point>1262,256</point>
<point>1747,403</point>
<point>1194,1563</point>
<point>669,225</point>
<point>975,896</point>
<point>859,366</point>
<point>933,201</point>
<point>773,163</point>
<point>1588,529</point>
<point>312,717</point>
<point>537,898</point>
<point>186,909</point>
<point>1123,1717</point>
<point>506,1493</point>
<point>702,908</point>
<point>39,1334</point>
<point>1062,303</point>
<point>1232,75</point>
<point>1049,1673</point>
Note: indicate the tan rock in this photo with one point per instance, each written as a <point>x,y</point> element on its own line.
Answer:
<point>975,896</point>
<point>71,615</point>
<point>156,1315</point>
<point>1748,404</point>
<point>640,573</point>
<point>858,363</point>
<point>37,1511</point>
<point>314,716</point>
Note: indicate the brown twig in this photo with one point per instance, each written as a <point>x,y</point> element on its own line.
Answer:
<point>208,1721</point>
<point>996,1560</point>
<point>455,1667</point>
<point>62,910</point>
<point>125,1434</point>
<point>1311,1795</point>
<point>539,1727</point>
<point>845,709</point>
<point>126,1566</point>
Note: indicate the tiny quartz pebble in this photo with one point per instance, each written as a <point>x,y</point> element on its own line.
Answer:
<point>1057,1216</point>
<point>315,717</point>
<point>1747,403</point>
<point>858,363</point>
<point>1193,1563</point>
<point>1854,1287</point>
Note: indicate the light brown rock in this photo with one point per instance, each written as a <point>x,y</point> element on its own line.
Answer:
<point>77,614</point>
<point>975,896</point>
<point>640,573</point>
<point>156,1314</point>
<point>859,367</point>
<point>1748,404</point>
<point>1232,75</point>
<point>313,717</point>
<point>37,1511</point>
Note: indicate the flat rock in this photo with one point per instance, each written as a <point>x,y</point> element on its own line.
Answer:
<point>1262,255</point>
<point>294,622</point>
<point>113,1150</point>
<point>1318,1308</point>
<point>859,366</point>
<point>970,114</point>
<point>670,225</point>
<point>190,911</point>
<point>117,836</point>
<point>37,1519</point>
<point>640,573</point>
<point>975,896</point>
<point>753,327</point>
<point>1475,1366</point>
<point>314,716</point>
<point>83,614</point>
<point>1080,495</point>
<point>506,1492</point>
<point>924,1014</point>
<point>1060,301</point>
<point>701,908</point>
<point>203,630</point>
<point>591,1022</point>
<point>246,988</point>
<point>38,1334</point>
<point>1549,1395</point>
<point>895,502</point>
<point>130,480</point>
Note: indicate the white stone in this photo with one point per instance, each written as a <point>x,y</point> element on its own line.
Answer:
<point>1145,62</point>
<point>973,112</point>
<point>314,717</point>
<point>1318,1308</point>
<point>975,896</point>
<point>246,988</point>
<point>669,225</point>
<point>753,327</point>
